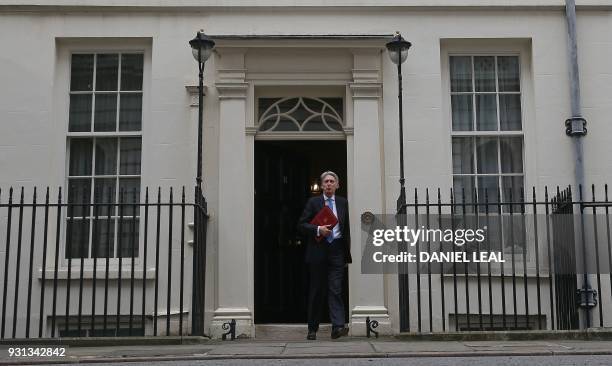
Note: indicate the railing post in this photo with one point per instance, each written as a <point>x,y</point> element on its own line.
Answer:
<point>199,262</point>
<point>195,327</point>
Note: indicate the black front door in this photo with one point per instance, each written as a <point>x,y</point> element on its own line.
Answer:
<point>284,172</point>
<point>281,189</point>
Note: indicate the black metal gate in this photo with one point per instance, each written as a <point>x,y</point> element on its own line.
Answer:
<point>559,245</point>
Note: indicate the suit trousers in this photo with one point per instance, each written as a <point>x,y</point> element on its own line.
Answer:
<point>327,275</point>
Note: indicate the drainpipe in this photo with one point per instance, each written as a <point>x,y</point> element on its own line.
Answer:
<point>576,129</point>
<point>576,125</point>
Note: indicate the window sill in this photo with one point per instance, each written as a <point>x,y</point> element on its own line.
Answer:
<point>113,273</point>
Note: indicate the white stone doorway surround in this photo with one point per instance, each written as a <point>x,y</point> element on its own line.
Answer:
<point>244,68</point>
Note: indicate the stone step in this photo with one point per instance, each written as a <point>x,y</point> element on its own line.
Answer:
<point>289,332</point>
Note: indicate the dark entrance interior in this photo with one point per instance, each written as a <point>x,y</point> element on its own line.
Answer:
<point>284,174</point>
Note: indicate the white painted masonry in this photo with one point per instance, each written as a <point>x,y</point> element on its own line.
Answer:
<point>37,37</point>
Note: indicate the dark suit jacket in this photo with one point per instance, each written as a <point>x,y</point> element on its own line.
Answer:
<point>316,252</point>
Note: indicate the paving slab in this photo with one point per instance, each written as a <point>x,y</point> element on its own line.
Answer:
<point>246,343</point>
<point>334,344</point>
<point>255,349</point>
<point>338,348</point>
<point>138,350</point>
<point>591,345</point>
<point>497,347</point>
<point>402,347</point>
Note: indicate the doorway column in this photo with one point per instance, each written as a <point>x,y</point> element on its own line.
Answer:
<point>234,298</point>
<point>367,295</point>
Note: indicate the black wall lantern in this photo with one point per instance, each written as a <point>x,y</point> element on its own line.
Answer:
<point>201,48</point>
<point>398,53</point>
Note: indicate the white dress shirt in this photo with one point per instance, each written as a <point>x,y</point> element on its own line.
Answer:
<point>336,229</point>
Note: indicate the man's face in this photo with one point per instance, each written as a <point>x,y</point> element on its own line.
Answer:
<point>329,184</point>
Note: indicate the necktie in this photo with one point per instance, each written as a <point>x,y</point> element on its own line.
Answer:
<point>330,204</point>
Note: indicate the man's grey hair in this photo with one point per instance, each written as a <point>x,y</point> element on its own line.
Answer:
<point>329,172</point>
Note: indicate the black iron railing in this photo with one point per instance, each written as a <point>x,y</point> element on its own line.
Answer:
<point>558,253</point>
<point>83,267</point>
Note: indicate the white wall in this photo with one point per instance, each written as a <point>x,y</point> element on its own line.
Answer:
<point>33,131</point>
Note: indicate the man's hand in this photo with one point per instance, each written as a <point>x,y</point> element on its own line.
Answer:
<point>325,231</point>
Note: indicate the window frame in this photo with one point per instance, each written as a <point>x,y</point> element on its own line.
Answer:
<point>497,134</point>
<point>94,136</point>
<point>66,48</point>
<point>263,116</point>
<point>117,177</point>
<point>497,47</point>
<point>287,91</point>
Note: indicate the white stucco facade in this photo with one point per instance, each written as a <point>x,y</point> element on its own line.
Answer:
<point>319,48</point>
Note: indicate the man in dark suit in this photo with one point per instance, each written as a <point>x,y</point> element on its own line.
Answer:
<point>328,257</point>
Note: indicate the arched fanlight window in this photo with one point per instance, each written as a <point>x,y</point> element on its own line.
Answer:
<point>300,114</point>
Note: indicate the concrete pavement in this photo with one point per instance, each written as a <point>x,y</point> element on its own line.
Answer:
<point>565,360</point>
<point>349,347</point>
